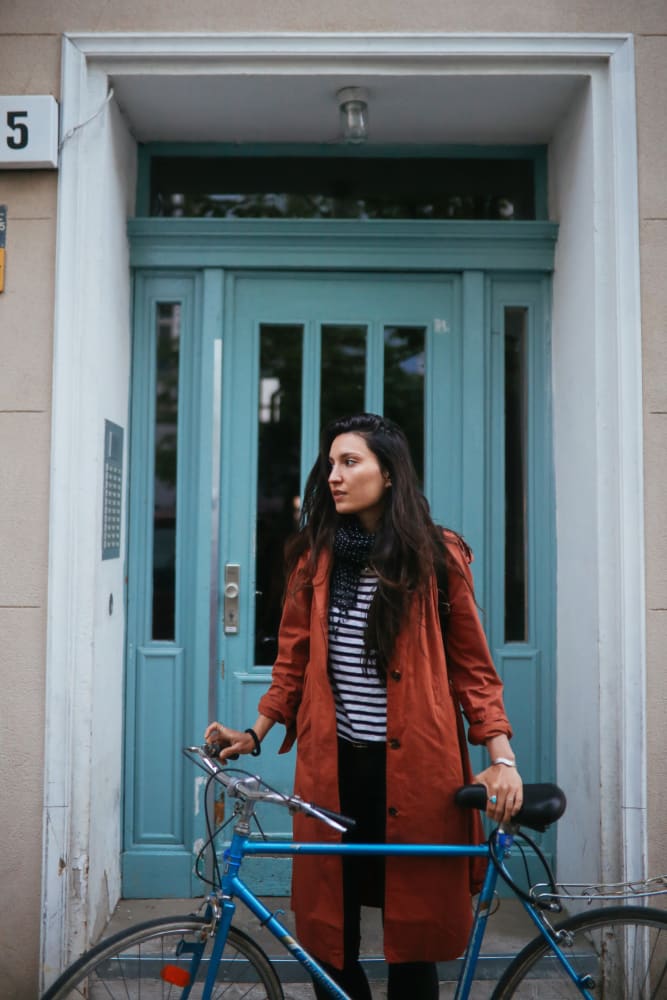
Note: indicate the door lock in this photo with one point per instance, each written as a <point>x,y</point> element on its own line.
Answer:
<point>231,592</point>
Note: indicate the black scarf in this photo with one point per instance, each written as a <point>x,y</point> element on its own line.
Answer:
<point>352,549</point>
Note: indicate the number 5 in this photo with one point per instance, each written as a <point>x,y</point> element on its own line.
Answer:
<point>19,141</point>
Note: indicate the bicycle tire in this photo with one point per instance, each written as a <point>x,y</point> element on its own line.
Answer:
<point>623,948</point>
<point>130,965</point>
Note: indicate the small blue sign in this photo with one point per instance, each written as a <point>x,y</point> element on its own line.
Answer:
<point>3,237</point>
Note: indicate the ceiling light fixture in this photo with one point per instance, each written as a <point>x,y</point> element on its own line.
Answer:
<point>353,104</point>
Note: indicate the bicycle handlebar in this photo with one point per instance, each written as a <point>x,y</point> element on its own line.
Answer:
<point>251,788</point>
<point>543,804</point>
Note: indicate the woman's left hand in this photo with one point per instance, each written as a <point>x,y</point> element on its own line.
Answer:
<point>504,789</point>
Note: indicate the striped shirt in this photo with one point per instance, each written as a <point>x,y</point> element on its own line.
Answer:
<point>361,700</point>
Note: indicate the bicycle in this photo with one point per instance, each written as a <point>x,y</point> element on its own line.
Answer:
<point>614,953</point>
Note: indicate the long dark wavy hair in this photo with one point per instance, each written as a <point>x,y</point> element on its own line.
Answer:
<point>409,548</point>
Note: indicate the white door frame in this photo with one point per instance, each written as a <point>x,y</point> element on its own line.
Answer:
<point>597,417</point>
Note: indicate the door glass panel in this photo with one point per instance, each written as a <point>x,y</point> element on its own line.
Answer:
<point>516,613</point>
<point>168,332</point>
<point>404,353</point>
<point>278,471</point>
<point>343,382</point>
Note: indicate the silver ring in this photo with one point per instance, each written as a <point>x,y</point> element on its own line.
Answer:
<point>493,799</point>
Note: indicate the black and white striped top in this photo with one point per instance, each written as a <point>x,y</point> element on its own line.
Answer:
<point>361,700</point>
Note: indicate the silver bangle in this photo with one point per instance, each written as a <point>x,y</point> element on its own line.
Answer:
<point>504,760</point>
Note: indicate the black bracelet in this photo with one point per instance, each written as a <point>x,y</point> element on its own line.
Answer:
<point>258,746</point>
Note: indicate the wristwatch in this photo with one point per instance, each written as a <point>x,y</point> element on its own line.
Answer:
<point>504,760</point>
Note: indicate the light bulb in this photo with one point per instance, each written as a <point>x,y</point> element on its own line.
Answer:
<point>353,114</point>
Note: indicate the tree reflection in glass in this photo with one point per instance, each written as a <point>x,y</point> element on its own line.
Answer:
<point>168,331</point>
<point>404,363</point>
<point>342,386</point>
<point>278,474</point>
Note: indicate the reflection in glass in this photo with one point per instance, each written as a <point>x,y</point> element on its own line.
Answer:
<point>404,353</point>
<point>516,611</point>
<point>343,187</point>
<point>168,330</point>
<point>342,388</point>
<point>278,474</point>
<point>285,205</point>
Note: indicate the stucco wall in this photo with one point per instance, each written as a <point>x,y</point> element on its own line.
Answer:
<point>39,16</point>
<point>29,63</point>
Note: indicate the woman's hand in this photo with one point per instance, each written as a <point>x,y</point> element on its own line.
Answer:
<point>231,741</point>
<point>503,784</point>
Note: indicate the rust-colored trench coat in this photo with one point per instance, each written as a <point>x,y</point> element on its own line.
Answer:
<point>427,901</point>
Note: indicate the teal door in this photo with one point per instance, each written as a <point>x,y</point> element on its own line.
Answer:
<point>234,374</point>
<point>306,348</point>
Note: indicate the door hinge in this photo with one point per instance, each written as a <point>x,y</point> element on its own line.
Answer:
<point>222,669</point>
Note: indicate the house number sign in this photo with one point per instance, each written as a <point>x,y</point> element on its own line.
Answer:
<point>28,132</point>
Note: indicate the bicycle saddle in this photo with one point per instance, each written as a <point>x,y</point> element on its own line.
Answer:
<point>543,804</point>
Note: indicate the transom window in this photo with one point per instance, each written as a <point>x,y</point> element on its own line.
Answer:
<point>345,187</point>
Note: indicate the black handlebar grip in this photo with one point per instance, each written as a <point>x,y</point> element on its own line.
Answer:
<point>213,751</point>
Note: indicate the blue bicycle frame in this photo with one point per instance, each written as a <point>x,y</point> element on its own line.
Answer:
<point>233,887</point>
<point>223,906</point>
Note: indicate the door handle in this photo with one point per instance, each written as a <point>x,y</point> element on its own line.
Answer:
<point>231,592</point>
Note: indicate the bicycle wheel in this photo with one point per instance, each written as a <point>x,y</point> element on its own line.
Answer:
<point>157,960</point>
<point>623,949</point>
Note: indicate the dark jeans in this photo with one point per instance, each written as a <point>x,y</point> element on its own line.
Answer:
<point>362,780</point>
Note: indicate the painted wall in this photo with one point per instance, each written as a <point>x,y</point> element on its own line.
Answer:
<point>571,201</point>
<point>652,144</point>
<point>29,63</point>
<point>91,384</point>
<point>112,303</point>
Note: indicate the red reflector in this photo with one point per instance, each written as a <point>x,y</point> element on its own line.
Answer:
<point>175,975</point>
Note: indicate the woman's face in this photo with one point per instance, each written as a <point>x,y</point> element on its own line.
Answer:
<point>358,485</point>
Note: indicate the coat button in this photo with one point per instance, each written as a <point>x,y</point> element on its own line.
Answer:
<point>396,675</point>
<point>394,744</point>
<point>393,811</point>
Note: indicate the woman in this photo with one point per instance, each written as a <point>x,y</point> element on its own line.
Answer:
<point>370,687</point>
